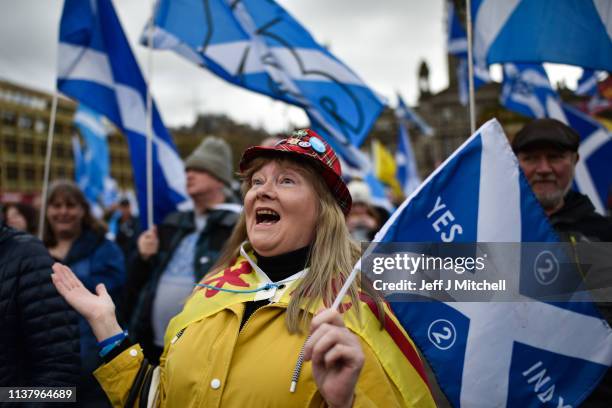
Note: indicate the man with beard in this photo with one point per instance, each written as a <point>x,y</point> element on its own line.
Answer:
<point>547,152</point>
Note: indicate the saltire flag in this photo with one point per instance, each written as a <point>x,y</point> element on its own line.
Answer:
<point>531,31</point>
<point>593,175</point>
<point>259,46</point>
<point>587,83</point>
<point>407,172</point>
<point>96,67</point>
<point>404,112</point>
<point>457,46</point>
<point>527,90</point>
<point>525,353</point>
<point>92,167</point>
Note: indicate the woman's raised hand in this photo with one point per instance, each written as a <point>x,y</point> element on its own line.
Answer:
<point>336,357</point>
<point>98,309</point>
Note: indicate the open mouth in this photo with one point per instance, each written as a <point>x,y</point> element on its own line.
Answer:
<point>266,217</point>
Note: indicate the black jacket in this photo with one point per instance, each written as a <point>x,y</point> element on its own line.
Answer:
<point>578,219</point>
<point>39,332</point>
<point>143,276</point>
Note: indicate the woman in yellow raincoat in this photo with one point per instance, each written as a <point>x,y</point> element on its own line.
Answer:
<point>249,335</point>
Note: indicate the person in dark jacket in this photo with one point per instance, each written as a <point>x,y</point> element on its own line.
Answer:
<point>76,239</point>
<point>175,255</point>
<point>547,151</point>
<point>39,332</point>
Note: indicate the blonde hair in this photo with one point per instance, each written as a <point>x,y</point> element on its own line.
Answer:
<point>332,255</point>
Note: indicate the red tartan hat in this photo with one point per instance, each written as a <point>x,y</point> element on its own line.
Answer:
<point>307,144</point>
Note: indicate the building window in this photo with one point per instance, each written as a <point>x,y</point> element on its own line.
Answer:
<point>12,173</point>
<point>10,144</point>
<point>24,122</point>
<point>29,173</point>
<point>40,126</point>
<point>8,118</point>
<point>27,147</point>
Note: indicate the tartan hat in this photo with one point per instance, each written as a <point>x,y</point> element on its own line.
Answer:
<point>307,144</point>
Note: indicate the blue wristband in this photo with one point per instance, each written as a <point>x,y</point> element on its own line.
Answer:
<point>107,349</point>
<point>111,340</point>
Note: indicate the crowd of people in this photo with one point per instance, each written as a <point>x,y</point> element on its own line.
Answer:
<point>229,303</point>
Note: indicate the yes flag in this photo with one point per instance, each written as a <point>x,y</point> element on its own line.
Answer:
<point>574,32</point>
<point>259,46</point>
<point>97,68</point>
<point>525,353</point>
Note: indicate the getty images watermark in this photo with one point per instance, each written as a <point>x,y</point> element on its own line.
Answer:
<point>481,272</point>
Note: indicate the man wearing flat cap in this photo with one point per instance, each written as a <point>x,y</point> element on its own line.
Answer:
<point>547,151</point>
<point>176,254</point>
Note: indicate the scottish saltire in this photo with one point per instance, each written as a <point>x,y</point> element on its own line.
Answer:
<point>407,172</point>
<point>587,83</point>
<point>404,112</point>
<point>457,46</point>
<point>93,168</point>
<point>498,354</point>
<point>96,67</point>
<point>593,175</point>
<point>531,31</point>
<point>259,46</point>
<point>385,167</point>
<point>527,90</point>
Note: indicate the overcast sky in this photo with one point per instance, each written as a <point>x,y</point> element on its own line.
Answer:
<point>383,41</point>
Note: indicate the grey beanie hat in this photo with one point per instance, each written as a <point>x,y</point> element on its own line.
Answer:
<point>214,156</point>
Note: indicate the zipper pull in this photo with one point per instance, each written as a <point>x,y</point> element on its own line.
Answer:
<point>178,335</point>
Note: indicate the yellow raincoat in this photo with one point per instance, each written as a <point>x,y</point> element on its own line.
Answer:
<point>208,361</point>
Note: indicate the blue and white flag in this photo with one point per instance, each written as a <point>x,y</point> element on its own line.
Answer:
<point>96,67</point>
<point>93,166</point>
<point>457,46</point>
<point>405,113</point>
<point>259,46</point>
<point>516,354</point>
<point>379,197</point>
<point>593,175</point>
<point>531,31</point>
<point>527,90</point>
<point>587,83</point>
<point>407,172</point>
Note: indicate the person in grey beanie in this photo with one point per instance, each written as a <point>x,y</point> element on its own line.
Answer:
<point>176,254</point>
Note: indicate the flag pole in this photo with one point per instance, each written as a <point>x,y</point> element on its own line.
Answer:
<point>149,151</point>
<point>468,13</point>
<point>45,187</point>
